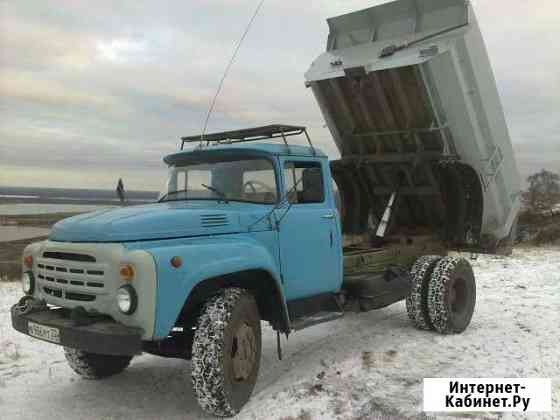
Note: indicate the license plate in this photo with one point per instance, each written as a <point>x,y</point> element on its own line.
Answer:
<point>43,332</point>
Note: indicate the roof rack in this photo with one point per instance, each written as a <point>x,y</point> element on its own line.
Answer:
<point>275,131</point>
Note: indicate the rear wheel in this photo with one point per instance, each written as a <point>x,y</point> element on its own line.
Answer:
<point>95,366</point>
<point>226,352</point>
<point>417,301</point>
<point>452,295</point>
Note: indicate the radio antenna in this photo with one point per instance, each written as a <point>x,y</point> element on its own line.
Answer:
<point>228,67</point>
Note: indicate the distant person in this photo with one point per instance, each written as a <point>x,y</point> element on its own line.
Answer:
<point>121,192</point>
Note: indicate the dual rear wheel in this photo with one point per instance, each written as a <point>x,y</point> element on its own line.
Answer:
<point>443,294</point>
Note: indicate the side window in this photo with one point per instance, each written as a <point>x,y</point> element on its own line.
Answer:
<point>308,180</point>
<point>181,181</point>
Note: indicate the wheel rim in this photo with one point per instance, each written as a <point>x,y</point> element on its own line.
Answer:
<point>458,295</point>
<point>243,352</point>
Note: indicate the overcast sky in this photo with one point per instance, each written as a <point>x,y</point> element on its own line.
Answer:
<point>93,91</point>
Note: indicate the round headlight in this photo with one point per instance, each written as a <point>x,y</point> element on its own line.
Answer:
<point>127,299</point>
<point>28,283</point>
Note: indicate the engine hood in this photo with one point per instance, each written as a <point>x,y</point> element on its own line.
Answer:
<point>160,221</point>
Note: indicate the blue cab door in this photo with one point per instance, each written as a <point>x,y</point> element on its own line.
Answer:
<point>309,232</point>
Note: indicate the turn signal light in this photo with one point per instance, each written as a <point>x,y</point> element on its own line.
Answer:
<point>28,261</point>
<point>127,272</point>
<point>176,262</point>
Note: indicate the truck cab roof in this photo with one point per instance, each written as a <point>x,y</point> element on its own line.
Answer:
<point>245,141</point>
<point>261,149</point>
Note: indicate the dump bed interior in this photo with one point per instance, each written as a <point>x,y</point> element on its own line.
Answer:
<point>409,96</point>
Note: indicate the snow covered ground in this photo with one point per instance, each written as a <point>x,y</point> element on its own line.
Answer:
<point>362,366</point>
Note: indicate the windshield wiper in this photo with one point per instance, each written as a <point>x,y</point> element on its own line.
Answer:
<point>280,204</point>
<point>172,193</point>
<point>217,191</point>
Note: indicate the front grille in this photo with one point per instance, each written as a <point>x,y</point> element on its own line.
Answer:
<point>68,256</point>
<point>214,220</point>
<point>48,268</point>
<point>71,276</point>
<point>81,297</point>
<point>95,272</point>
<point>53,292</point>
<point>61,294</point>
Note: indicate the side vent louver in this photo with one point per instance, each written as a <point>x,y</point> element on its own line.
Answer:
<point>214,220</point>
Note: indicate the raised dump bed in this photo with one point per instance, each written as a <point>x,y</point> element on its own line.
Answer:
<point>408,93</point>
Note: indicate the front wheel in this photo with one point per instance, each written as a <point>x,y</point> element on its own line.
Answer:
<point>226,352</point>
<point>95,366</point>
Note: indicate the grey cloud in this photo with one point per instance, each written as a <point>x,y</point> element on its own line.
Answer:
<point>111,86</point>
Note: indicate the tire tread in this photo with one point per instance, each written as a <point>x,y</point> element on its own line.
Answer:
<point>207,361</point>
<point>95,366</point>
<point>438,308</point>
<point>416,302</point>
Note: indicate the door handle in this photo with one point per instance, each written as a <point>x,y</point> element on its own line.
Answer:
<point>328,216</point>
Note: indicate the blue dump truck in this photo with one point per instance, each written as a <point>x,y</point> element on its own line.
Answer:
<point>251,227</point>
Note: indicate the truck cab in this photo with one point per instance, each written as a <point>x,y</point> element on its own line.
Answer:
<point>233,214</point>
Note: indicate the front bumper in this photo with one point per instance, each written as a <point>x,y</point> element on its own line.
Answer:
<point>100,337</point>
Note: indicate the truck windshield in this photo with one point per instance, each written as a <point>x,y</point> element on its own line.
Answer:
<point>246,179</point>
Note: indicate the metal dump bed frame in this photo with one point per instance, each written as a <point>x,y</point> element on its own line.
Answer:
<point>407,91</point>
